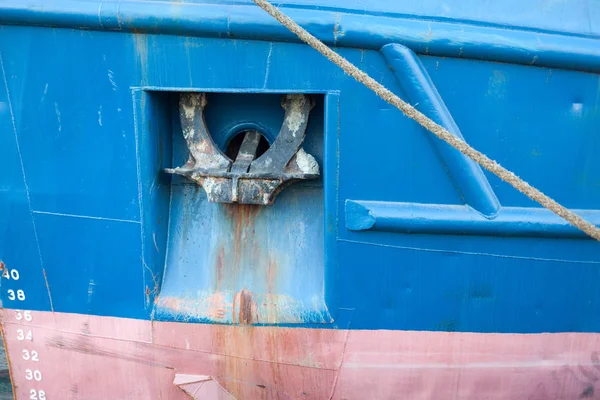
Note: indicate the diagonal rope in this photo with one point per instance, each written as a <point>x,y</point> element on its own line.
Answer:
<point>459,144</point>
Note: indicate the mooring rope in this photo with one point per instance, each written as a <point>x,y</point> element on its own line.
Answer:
<point>430,125</point>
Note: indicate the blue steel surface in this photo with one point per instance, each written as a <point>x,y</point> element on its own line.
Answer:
<point>86,131</point>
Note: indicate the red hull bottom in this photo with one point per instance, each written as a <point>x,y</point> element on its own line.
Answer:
<point>70,356</point>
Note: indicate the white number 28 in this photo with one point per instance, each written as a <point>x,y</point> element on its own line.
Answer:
<point>37,394</point>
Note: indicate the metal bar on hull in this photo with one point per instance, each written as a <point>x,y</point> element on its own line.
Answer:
<point>468,177</point>
<point>460,220</point>
<point>446,38</point>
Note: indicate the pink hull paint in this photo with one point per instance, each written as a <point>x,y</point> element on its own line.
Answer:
<point>90,357</point>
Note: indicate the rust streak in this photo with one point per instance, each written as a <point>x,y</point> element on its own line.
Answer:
<point>219,266</point>
<point>238,253</point>
<point>246,307</point>
<point>233,249</point>
<point>48,289</point>
<point>8,359</point>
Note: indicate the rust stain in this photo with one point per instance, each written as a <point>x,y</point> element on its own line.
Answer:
<point>247,309</point>
<point>219,265</point>
<point>240,219</point>
<point>272,273</point>
<point>48,289</point>
<point>241,248</point>
<point>233,250</point>
<point>147,294</point>
<point>4,344</point>
<point>216,306</point>
<point>141,48</point>
<point>2,265</point>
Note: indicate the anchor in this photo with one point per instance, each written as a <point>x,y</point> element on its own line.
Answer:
<point>247,179</point>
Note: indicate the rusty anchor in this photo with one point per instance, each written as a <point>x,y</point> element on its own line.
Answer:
<point>247,179</point>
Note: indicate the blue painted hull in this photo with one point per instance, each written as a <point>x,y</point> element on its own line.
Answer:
<point>400,232</point>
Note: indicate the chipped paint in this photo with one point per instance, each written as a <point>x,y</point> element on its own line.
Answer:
<point>189,103</point>
<point>57,112</point>
<point>497,84</point>
<point>243,307</point>
<point>154,241</point>
<point>268,66</point>
<point>295,117</point>
<point>337,30</point>
<point>44,94</point>
<point>306,162</point>
<point>203,153</point>
<point>111,79</point>
<point>90,290</point>
<point>577,110</point>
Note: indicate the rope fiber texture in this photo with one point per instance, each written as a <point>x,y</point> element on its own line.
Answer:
<point>430,125</point>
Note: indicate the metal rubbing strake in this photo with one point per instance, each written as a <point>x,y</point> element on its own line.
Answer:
<point>247,179</point>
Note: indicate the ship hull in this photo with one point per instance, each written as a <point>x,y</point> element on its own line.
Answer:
<point>194,203</point>
<point>107,357</point>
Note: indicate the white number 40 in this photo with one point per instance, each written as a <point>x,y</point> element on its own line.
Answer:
<point>37,394</point>
<point>13,274</point>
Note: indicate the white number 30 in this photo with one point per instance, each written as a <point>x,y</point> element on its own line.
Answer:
<point>29,375</point>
